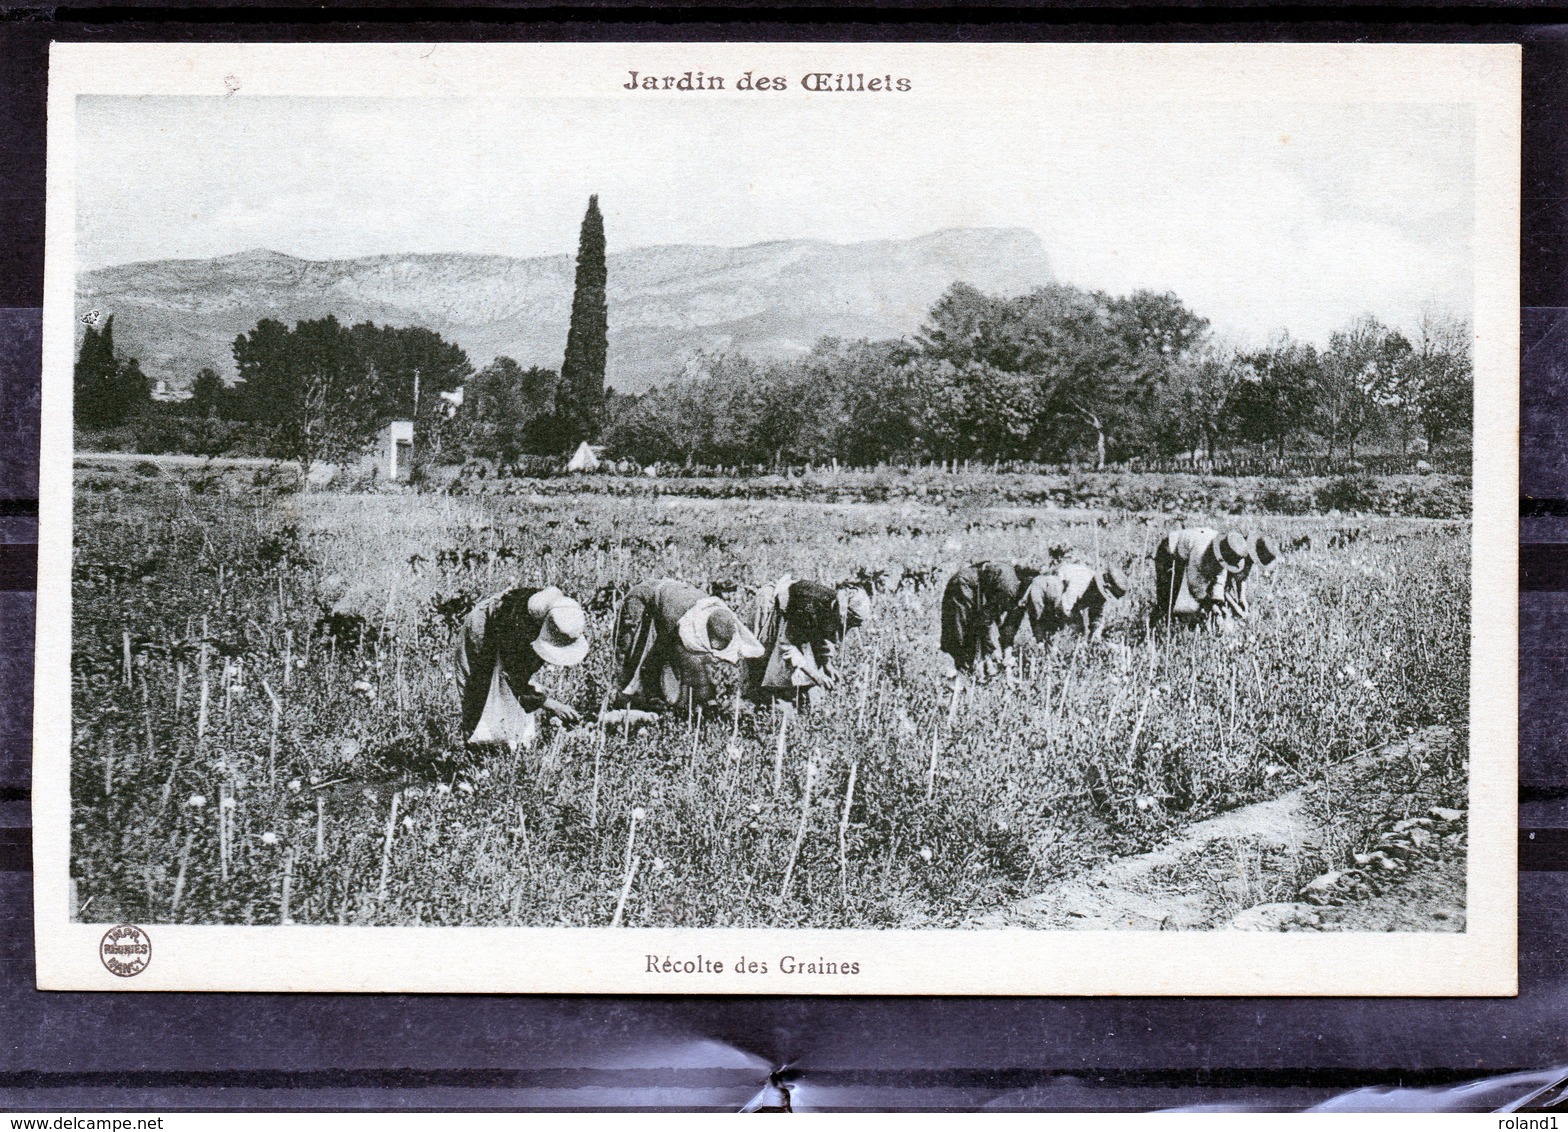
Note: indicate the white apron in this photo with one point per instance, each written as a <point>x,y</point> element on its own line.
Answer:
<point>504,720</point>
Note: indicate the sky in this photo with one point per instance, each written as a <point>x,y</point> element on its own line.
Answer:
<point>1262,217</point>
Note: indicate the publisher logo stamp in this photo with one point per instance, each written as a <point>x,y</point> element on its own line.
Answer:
<point>125,950</point>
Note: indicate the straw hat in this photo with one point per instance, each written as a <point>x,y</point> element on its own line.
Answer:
<point>1265,551</point>
<point>563,628</point>
<point>1112,582</point>
<point>1234,550</point>
<point>709,627</point>
<point>542,601</point>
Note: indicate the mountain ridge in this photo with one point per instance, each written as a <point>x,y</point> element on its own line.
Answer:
<point>667,302</point>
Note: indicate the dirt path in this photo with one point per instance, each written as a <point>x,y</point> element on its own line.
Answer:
<point>1302,861</point>
<point>1430,899</point>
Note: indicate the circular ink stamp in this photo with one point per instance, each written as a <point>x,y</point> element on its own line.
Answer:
<point>125,950</point>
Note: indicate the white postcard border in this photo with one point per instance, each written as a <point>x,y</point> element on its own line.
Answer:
<point>1479,961</point>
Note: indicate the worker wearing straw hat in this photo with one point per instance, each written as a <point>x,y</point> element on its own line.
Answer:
<point>668,635</point>
<point>1200,575</point>
<point>800,625</point>
<point>1073,594</point>
<point>508,640</point>
<point>983,607</point>
<point>1263,553</point>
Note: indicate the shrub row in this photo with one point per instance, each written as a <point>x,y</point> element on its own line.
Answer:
<point>1420,496</point>
<point>1433,496</point>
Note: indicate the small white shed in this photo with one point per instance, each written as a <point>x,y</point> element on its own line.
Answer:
<point>399,449</point>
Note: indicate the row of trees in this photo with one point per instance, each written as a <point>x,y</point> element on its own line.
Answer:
<point>321,390</point>
<point>1055,374</point>
<point>1059,373</point>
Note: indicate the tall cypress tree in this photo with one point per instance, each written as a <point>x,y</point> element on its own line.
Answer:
<point>100,400</point>
<point>580,400</point>
<point>85,359</point>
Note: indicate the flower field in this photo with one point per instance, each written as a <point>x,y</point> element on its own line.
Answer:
<point>265,717</point>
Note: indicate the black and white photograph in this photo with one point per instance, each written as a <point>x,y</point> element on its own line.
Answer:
<point>737,518</point>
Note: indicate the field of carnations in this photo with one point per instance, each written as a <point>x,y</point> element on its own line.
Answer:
<point>265,713</point>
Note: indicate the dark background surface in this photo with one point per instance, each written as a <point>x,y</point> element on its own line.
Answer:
<point>203,1051</point>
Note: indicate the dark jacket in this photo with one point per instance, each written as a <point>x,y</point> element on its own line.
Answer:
<point>809,621</point>
<point>499,631</point>
<point>982,610</point>
<point>654,667</point>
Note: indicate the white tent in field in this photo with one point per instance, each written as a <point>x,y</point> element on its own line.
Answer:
<point>585,459</point>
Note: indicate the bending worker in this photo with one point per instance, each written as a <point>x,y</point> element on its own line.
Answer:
<point>801,625</point>
<point>508,641</point>
<point>1198,575</point>
<point>1074,594</point>
<point>667,637</point>
<point>986,604</point>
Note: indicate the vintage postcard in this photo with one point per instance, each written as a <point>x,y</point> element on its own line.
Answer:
<point>780,518</point>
